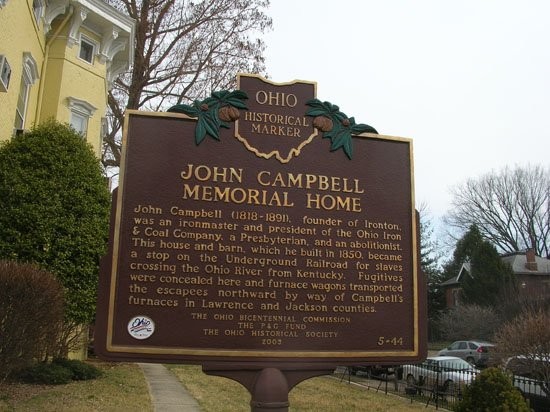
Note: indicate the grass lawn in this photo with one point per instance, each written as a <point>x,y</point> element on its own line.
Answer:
<point>327,394</point>
<point>123,388</point>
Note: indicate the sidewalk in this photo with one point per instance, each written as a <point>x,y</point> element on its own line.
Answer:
<point>167,392</point>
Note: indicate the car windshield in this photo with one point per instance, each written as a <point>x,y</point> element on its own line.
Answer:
<point>455,365</point>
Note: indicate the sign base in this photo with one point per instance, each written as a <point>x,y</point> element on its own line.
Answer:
<point>268,387</point>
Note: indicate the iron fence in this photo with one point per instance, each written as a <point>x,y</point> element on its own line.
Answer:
<point>439,391</point>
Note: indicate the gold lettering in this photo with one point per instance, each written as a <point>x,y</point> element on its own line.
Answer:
<point>310,181</point>
<point>217,174</point>
<point>329,202</point>
<point>237,195</point>
<point>276,98</point>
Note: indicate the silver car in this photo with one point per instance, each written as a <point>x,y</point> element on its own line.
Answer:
<point>443,373</point>
<point>530,376</point>
<point>474,352</point>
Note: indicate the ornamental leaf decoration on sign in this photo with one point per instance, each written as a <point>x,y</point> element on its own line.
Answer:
<point>222,107</point>
<point>213,112</point>
<point>335,125</point>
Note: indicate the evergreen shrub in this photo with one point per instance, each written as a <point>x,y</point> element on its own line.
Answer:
<point>81,371</point>
<point>54,210</point>
<point>492,391</point>
<point>46,374</point>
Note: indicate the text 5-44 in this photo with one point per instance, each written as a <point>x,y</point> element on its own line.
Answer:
<point>390,340</point>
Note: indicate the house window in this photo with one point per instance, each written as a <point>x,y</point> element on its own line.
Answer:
<point>456,297</point>
<point>21,108</point>
<point>79,122</point>
<point>5,74</point>
<point>81,111</point>
<point>86,52</point>
<point>38,9</point>
<point>30,75</point>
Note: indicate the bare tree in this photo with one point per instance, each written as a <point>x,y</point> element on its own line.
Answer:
<point>430,253</point>
<point>430,256</point>
<point>511,208</point>
<point>184,50</point>
<point>527,337</point>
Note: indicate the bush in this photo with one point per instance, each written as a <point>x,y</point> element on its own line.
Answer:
<point>80,371</point>
<point>54,210</point>
<point>46,374</point>
<point>492,391</point>
<point>58,372</point>
<point>31,314</point>
<point>469,322</point>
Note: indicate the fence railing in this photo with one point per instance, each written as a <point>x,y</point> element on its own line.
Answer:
<point>440,387</point>
<point>532,390</point>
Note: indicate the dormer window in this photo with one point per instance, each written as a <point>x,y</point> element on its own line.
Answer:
<point>87,50</point>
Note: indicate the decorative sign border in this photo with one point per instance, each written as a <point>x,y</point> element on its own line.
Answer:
<point>209,116</point>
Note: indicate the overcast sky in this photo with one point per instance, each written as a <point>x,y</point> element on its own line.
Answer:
<point>468,80</point>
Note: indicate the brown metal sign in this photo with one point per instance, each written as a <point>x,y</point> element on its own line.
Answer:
<point>262,241</point>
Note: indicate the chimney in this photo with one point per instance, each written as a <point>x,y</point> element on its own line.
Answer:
<point>531,263</point>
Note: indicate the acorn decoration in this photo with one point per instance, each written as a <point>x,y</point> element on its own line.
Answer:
<point>336,125</point>
<point>322,123</point>
<point>229,114</point>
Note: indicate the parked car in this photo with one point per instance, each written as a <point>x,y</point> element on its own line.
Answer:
<point>472,351</point>
<point>443,373</point>
<point>530,376</point>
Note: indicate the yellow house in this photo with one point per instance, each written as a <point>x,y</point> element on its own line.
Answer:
<point>59,58</point>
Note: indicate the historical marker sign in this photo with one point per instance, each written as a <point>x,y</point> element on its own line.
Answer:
<point>262,241</point>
